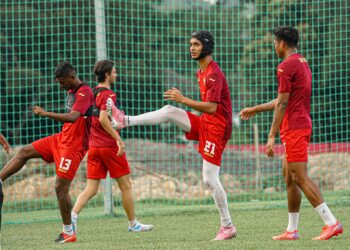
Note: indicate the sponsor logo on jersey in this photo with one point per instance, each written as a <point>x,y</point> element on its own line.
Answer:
<point>302,60</point>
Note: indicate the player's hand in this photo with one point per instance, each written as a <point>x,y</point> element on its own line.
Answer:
<point>38,110</point>
<point>269,146</point>
<point>121,147</point>
<point>246,113</point>
<point>5,144</point>
<point>173,94</point>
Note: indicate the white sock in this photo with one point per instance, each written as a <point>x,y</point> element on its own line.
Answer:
<point>212,181</point>
<point>166,114</point>
<point>68,229</point>
<point>74,216</point>
<point>326,214</point>
<point>132,223</point>
<point>293,219</point>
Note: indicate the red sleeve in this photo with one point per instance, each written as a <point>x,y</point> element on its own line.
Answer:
<point>285,73</point>
<point>101,100</point>
<point>83,99</point>
<point>214,86</point>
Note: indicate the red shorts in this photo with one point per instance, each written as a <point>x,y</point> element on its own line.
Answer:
<point>211,138</point>
<point>101,160</point>
<point>67,161</point>
<point>296,143</point>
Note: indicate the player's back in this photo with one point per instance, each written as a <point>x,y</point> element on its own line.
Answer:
<point>295,75</point>
<point>76,135</point>
<point>98,136</point>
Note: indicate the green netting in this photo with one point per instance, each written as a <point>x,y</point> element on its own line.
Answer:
<point>149,41</point>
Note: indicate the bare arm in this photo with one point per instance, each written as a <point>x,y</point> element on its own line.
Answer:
<point>246,113</point>
<point>64,117</point>
<point>174,94</point>
<point>280,109</point>
<point>5,143</point>
<point>106,124</point>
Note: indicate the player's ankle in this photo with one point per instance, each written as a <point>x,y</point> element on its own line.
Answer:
<point>74,215</point>
<point>132,223</point>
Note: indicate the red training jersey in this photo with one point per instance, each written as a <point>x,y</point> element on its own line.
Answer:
<point>294,77</point>
<point>99,137</point>
<point>214,88</point>
<point>76,135</point>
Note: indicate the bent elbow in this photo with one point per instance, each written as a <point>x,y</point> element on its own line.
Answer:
<point>100,119</point>
<point>72,119</point>
<point>282,104</point>
<point>212,110</point>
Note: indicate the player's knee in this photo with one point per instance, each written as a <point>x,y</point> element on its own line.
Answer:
<point>298,178</point>
<point>61,190</point>
<point>125,187</point>
<point>209,183</point>
<point>92,192</point>
<point>126,191</point>
<point>168,109</point>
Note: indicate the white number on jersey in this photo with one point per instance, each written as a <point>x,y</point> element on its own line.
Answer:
<point>65,163</point>
<point>209,147</point>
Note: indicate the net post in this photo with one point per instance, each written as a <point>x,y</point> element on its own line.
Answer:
<point>101,53</point>
<point>257,158</point>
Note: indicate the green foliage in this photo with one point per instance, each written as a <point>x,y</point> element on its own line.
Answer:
<point>149,42</point>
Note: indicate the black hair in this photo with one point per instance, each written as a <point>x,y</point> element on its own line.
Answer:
<point>101,68</point>
<point>289,35</point>
<point>64,69</point>
<point>207,40</point>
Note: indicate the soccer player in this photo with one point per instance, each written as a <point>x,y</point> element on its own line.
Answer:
<point>106,150</point>
<point>6,146</point>
<point>66,148</point>
<point>212,129</point>
<point>292,118</point>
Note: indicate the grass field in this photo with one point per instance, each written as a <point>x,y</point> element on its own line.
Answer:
<point>176,227</point>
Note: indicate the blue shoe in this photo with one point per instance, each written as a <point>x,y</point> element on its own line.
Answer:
<point>138,227</point>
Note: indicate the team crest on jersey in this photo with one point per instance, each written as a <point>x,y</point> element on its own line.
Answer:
<point>212,79</point>
<point>280,70</point>
<point>81,94</point>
